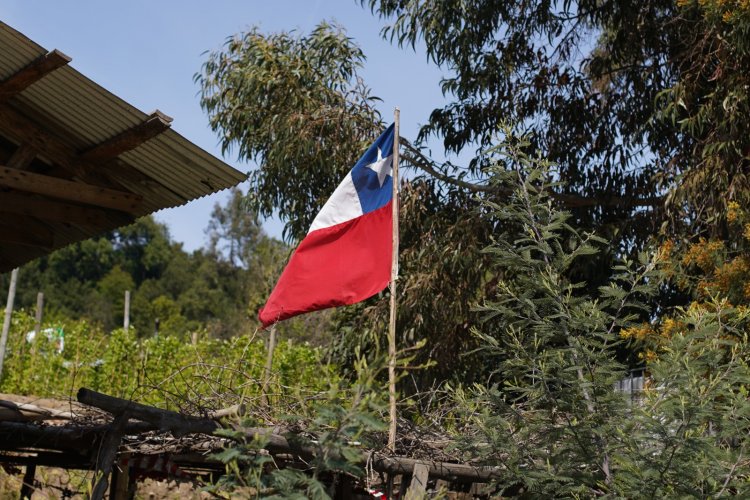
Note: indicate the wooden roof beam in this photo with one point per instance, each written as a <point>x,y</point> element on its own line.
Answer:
<point>15,203</point>
<point>22,129</point>
<point>38,69</point>
<point>155,124</point>
<point>69,190</point>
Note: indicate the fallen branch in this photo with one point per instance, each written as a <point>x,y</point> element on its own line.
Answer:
<point>164,420</point>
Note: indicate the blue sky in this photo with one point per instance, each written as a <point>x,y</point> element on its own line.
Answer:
<point>147,51</point>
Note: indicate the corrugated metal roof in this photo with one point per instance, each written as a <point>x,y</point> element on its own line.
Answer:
<point>83,114</point>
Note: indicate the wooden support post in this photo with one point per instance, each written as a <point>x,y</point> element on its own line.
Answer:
<point>8,313</point>
<point>126,312</point>
<point>418,486</point>
<point>39,311</point>
<point>120,488</point>
<point>22,157</point>
<point>269,366</point>
<point>107,456</point>
<point>155,124</point>
<point>27,488</point>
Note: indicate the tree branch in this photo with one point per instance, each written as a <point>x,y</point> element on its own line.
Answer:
<point>416,158</point>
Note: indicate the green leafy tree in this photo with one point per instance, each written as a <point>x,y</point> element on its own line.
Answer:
<point>234,231</point>
<point>296,105</point>
<point>641,104</point>
<point>709,104</point>
<point>550,417</point>
<point>111,290</point>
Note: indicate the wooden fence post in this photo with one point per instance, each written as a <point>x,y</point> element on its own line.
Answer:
<point>269,365</point>
<point>418,485</point>
<point>38,318</point>
<point>8,313</point>
<point>126,313</point>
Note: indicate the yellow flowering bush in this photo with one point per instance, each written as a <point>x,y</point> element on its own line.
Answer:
<point>714,272</point>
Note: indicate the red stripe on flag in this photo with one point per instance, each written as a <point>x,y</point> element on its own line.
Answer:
<point>334,266</point>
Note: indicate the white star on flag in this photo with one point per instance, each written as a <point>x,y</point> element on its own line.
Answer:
<point>381,166</point>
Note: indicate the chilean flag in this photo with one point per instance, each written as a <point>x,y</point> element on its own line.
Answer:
<point>346,255</point>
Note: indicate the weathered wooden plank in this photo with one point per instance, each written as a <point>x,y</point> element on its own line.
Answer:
<point>130,139</point>
<point>418,487</point>
<point>22,129</point>
<point>25,412</point>
<point>16,436</point>
<point>69,190</point>
<point>47,459</point>
<point>32,73</point>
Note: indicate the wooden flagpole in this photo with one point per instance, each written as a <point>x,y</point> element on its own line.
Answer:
<point>394,277</point>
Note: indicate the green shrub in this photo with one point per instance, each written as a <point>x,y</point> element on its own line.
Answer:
<point>163,370</point>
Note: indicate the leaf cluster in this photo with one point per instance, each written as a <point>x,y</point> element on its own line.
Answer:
<point>296,105</point>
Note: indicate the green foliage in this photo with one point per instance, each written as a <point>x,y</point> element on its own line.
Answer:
<point>632,100</point>
<point>550,416</point>
<point>689,437</point>
<point>296,105</point>
<point>160,370</point>
<point>549,410</point>
<point>344,422</point>
<point>710,106</point>
<point>579,78</point>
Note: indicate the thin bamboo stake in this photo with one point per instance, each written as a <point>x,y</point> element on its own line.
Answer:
<point>269,366</point>
<point>394,277</point>
<point>8,313</point>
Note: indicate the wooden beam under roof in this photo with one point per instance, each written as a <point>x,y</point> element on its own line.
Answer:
<point>69,190</point>
<point>22,129</point>
<point>46,209</point>
<point>38,69</point>
<point>155,124</point>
